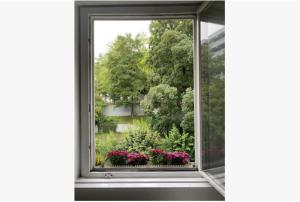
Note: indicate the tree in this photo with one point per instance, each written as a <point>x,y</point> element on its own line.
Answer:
<point>161,105</point>
<point>159,27</point>
<point>125,77</point>
<point>171,53</point>
<point>172,61</point>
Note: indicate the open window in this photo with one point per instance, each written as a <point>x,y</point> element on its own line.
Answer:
<point>151,89</point>
<point>143,94</point>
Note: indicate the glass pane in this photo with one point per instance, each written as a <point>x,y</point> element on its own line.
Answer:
<point>212,94</point>
<point>143,92</point>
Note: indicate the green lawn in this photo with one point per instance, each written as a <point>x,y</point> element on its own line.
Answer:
<point>107,137</point>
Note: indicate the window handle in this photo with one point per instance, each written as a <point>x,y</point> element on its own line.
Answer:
<point>108,175</point>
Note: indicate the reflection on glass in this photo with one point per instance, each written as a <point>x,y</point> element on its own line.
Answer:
<point>212,94</point>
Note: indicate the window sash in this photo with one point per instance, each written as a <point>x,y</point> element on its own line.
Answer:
<point>87,15</point>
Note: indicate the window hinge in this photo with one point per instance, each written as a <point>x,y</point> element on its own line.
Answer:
<point>89,107</point>
<point>89,40</point>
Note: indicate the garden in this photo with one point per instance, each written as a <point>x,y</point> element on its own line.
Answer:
<point>141,145</point>
<point>156,73</point>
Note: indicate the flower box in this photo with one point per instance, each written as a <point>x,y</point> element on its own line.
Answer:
<point>159,158</point>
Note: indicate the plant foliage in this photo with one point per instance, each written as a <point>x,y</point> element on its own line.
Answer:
<point>161,105</point>
<point>140,138</point>
<point>176,141</point>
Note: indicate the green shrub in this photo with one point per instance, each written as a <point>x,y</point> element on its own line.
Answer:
<point>140,138</point>
<point>187,123</point>
<point>188,100</point>
<point>106,124</point>
<point>175,141</point>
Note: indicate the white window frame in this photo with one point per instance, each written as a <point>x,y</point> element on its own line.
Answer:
<point>86,13</point>
<point>92,19</point>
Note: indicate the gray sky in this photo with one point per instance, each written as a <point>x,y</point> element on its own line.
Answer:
<point>105,31</point>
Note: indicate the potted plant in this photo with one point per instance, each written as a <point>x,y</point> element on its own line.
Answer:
<point>137,159</point>
<point>178,158</point>
<point>158,157</point>
<point>117,157</point>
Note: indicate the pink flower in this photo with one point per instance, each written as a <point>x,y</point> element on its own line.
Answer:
<point>117,153</point>
<point>137,159</point>
<point>158,151</point>
<point>178,157</point>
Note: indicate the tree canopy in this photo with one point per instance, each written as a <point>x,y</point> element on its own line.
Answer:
<point>161,104</point>
<point>122,78</point>
<point>171,53</point>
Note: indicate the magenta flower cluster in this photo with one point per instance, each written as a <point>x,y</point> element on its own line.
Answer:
<point>124,158</point>
<point>117,157</point>
<point>117,153</point>
<point>158,152</point>
<point>160,156</point>
<point>137,159</point>
<point>178,158</point>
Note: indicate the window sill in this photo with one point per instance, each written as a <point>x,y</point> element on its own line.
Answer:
<point>141,183</point>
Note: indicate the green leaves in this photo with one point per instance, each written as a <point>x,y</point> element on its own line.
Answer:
<point>176,141</point>
<point>161,104</point>
<point>141,138</point>
<point>188,101</point>
<point>171,53</point>
<point>122,78</point>
<point>187,122</point>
